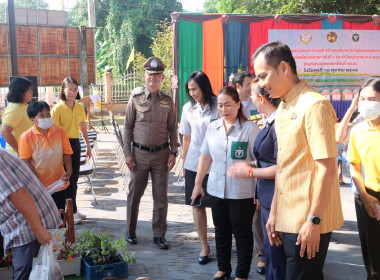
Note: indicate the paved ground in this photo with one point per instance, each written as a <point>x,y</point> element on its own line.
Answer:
<point>343,261</point>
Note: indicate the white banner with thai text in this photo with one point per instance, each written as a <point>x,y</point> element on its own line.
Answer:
<point>333,59</point>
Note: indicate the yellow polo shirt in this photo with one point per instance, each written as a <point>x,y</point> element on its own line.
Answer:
<point>305,128</point>
<point>16,117</point>
<point>364,148</point>
<point>69,119</point>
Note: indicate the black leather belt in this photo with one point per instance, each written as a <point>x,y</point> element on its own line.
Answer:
<point>151,149</point>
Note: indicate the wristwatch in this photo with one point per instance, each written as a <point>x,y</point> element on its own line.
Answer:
<point>174,153</point>
<point>314,219</point>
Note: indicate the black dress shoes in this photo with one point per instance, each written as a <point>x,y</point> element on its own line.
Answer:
<point>260,270</point>
<point>161,242</point>
<point>225,276</point>
<point>204,259</point>
<point>131,238</point>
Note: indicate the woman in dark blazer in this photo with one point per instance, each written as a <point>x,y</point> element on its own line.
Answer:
<point>265,151</point>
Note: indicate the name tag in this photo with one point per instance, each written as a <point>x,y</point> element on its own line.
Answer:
<point>239,150</point>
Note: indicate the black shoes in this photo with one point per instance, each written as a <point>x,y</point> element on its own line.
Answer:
<point>161,242</point>
<point>204,259</point>
<point>131,238</point>
<point>260,268</point>
<point>226,276</point>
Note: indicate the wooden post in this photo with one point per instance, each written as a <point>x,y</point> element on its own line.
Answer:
<point>83,59</point>
<point>69,220</point>
<point>108,90</point>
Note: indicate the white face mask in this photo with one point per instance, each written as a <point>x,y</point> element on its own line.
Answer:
<point>45,123</point>
<point>369,109</point>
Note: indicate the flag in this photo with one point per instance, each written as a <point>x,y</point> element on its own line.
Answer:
<point>96,99</point>
<point>131,57</point>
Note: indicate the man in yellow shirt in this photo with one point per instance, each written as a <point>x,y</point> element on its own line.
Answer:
<point>306,206</point>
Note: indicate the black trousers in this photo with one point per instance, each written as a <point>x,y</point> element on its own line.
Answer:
<point>275,259</point>
<point>71,191</point>
<point>233,216</point>
<point>298,268</point>
<point>60,199</point>
<point>369,234</point>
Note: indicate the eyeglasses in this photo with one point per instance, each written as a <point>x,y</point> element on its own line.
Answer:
<point>71,89</point>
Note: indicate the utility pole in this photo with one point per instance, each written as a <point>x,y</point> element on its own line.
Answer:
<point>91,13</point>
<point>13,38</point>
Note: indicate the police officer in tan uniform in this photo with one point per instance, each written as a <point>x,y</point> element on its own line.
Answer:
<point>150,146</point>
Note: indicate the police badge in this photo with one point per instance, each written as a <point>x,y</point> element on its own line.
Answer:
<point>143,101</point>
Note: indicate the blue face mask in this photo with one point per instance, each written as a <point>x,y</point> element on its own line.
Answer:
<point>45,123</point>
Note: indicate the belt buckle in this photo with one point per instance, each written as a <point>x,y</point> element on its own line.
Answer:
<point>152,150</point>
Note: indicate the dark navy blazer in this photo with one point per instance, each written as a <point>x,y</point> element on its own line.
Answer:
<point>265,151</point>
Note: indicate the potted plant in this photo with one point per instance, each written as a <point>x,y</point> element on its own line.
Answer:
<point>6,267</point>
<point>103,257</point>
<point>69,259</point>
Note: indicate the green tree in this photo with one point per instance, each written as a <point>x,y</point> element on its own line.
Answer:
<point>368,7</point>
<point>126,23</point>
<point>162,47</point>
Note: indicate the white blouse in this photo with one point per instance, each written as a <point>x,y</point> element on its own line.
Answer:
<point>194,122</point>
<point>225,148</point>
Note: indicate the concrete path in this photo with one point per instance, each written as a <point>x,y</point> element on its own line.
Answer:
<point>343,261</point>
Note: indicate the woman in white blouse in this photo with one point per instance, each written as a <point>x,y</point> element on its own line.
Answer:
<point>197,114</point>
<point>229,140</point>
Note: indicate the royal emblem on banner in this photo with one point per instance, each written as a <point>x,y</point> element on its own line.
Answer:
<point>305,37</point>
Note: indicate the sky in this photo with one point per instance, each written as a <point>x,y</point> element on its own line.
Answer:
<point>188,5</point>
<point>192,5</point>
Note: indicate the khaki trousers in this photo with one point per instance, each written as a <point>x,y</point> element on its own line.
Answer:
<point>258,237</point>
<point>157,165</point>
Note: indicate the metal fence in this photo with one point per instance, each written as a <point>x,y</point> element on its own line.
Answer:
<point>122,87</point>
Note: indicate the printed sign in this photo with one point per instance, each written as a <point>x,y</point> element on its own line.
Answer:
<point>333,60</point>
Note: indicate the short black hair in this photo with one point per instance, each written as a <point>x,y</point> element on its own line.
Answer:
<point>204,84</point>
<point>17,89</point>
<point>274,53</point>
<point>35,107</point>
<point>274,101</point>
<point>239,77</point>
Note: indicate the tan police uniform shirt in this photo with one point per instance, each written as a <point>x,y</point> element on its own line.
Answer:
<point>151,121</point>
<point>305,128</point>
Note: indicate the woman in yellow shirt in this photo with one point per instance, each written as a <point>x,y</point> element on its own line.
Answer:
<point>15,119</point>
<point>364,154</point>
<point>70,114</point>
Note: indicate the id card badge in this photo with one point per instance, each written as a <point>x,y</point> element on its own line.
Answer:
<point>239,150</point>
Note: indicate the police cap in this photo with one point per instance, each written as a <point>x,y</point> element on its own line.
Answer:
<point>154,65</point>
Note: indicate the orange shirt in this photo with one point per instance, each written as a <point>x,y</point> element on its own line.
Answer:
<point>46,152</point>
<point>305,128</point>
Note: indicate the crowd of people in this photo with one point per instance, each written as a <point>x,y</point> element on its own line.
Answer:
<point>273,186</point>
